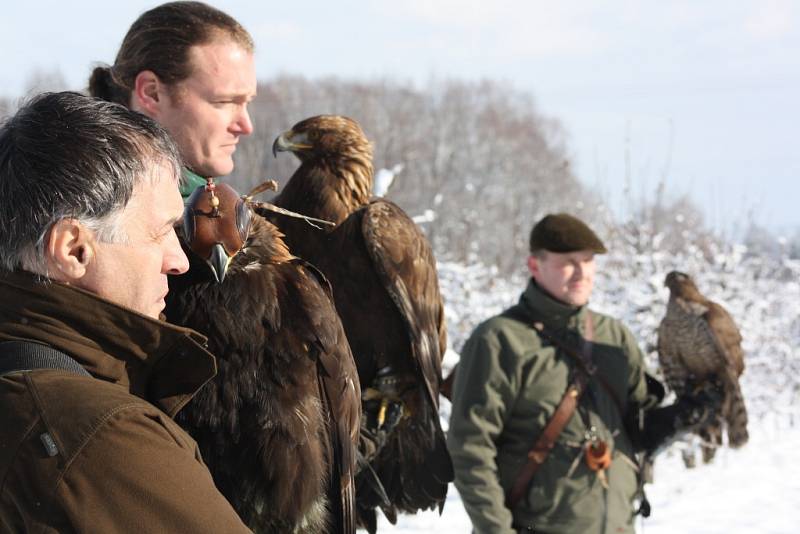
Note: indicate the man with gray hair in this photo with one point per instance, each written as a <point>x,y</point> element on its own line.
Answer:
<point>90,378</point>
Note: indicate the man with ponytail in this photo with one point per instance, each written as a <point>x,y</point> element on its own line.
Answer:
<point>190,67</point>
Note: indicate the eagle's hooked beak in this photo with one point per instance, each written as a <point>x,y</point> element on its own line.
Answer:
<point>219,262</point>
<point>290,142</point>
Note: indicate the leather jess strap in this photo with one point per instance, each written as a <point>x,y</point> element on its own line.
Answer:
<point>547,440</point>
<point>563,413</point>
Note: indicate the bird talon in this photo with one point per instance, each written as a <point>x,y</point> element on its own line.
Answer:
<point>394,414</point>
<point>382,412</point>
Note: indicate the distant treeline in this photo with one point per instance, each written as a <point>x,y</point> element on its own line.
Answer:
<point>478,161</point>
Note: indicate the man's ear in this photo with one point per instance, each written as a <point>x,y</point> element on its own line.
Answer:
<point>533,265</point>
<point>148,94</point>
<point>69,249</point>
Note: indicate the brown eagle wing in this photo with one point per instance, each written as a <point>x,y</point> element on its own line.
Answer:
<point>728,340</point>
<point>340,391</point>
<point>405,264</point>
<point>726,336</point>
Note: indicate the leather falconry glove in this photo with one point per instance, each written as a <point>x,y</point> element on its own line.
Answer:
<point>664,425</point>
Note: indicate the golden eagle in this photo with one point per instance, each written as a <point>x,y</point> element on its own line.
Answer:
<point>699,343</point>
<point>383,274</point>
<point>278,426</point>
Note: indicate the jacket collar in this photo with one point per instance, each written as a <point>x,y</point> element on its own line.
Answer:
<point>553,313</point>
<point>162,363</point>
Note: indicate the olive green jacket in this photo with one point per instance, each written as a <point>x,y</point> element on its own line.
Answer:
<point>102,453</point>
<point>508,385</point>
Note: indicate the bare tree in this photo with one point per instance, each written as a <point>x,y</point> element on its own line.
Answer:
<point>5,108</point>
<point>40,81</point>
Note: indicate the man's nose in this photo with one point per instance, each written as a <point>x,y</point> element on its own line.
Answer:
<point>243,124</point>
<point>175,260</point>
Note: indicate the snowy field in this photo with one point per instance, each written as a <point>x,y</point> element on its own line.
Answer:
<point>755,490</point>
<point>752,490</point>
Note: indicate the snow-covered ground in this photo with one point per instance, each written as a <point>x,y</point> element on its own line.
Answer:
<point>752,490</point>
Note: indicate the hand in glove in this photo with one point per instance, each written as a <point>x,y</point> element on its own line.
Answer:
<point>691,411</point>
<point>698,407</point>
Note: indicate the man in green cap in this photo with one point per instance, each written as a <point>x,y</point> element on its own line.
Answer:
<point>548,402</point>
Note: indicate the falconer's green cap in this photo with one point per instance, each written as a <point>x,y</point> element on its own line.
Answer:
<point>561,232</point>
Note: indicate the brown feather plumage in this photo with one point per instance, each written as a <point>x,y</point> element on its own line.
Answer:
<point>699,342</point>
<point>279,423</point>
<point>386,290</point>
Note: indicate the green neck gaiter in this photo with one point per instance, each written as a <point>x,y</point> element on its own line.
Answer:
<point>190,182</point>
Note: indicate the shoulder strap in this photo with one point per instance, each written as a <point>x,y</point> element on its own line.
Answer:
<point>566,408</point>
<point>547,439</point>
<point>18,356</point>
<point>583,359</point>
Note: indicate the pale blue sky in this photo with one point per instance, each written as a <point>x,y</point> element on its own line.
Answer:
<point>704,91</point>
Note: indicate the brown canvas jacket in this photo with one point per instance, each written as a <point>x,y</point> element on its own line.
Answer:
<point>101,453</point>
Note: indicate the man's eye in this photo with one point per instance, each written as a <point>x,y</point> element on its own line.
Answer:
<point>164,235</point>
